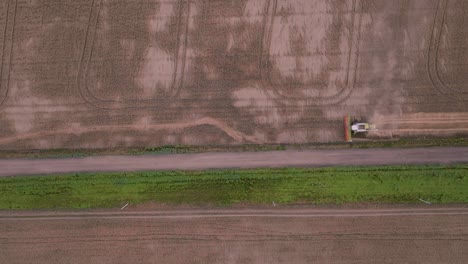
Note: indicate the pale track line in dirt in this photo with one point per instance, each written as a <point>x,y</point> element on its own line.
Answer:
<point>259,211</point>
<point>421,121</point>
<point>83,54</point>
<point>247,238</point>
<point>430,116</point>
<point>439,121</point>
<point>349,86</point>
<point>370,213</point>
<point>430,130</point>
<point>10,55</point>
<point>239,136</point>
<point>427,119</point>
<point>3,52</point>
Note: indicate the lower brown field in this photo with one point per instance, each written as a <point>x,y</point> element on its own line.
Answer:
<point>399,235</point>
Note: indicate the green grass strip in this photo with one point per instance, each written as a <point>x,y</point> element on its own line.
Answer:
<point>180,149</point>
<point>386,184</point>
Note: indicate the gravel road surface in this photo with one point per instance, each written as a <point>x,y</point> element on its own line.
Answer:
<point>309,158</point>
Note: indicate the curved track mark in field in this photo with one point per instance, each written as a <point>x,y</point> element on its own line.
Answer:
<point>353,59</point>
<point>5,64</point>
<point>440,20</point>
<point>437,56</point>
<point>239,136</point>
<point>4,94</point>
<point>83,68</point>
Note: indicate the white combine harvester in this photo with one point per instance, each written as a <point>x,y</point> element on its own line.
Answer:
<point>354,126</point>
<point>362,127</point>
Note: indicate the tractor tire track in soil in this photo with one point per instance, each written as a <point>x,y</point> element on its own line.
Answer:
<point>7,48</point>
<point>253,235</point>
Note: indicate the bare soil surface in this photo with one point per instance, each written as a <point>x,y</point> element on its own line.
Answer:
<point>306,235</point>
<point>137,73</point>
<point>310,158</point>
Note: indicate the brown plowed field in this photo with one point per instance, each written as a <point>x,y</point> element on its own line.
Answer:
<point>101,73</point>
<point>404,235</point>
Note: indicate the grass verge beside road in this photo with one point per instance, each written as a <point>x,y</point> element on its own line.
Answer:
<point>386,184</point>
<point>181,149</point>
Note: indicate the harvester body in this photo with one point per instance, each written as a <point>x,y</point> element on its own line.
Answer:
<point>362,127</point>
<point>354,126</point>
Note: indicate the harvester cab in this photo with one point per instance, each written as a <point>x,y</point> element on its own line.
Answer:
<point>362,127</point>
<point>354,126</point>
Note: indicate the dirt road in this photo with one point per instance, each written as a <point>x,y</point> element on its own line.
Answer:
<point>404,235</point>
<point>310,158</point>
